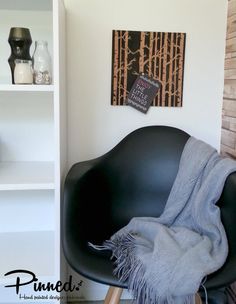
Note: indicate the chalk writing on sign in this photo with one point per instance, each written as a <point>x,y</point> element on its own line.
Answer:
<point>143,92</point>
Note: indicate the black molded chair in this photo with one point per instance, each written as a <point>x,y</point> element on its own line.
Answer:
<point>133,179</point>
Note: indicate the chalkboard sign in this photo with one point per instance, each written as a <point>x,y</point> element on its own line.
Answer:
<point>143,92</point>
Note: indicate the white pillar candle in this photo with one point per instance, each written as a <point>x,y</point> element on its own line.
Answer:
<point>23,73</point>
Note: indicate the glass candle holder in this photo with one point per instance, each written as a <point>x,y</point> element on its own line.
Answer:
<point>23,73</point>
<point>42,63</point>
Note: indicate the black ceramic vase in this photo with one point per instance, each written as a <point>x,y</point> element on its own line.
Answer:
<point>20,42</point>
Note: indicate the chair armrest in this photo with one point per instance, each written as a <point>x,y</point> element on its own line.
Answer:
<point>227,203</point>
<point>72,187</point>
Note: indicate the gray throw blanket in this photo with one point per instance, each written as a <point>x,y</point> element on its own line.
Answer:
<point>165,259</point>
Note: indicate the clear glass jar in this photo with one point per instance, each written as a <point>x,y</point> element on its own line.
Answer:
<point>23,73</point>
<point>42,63</point>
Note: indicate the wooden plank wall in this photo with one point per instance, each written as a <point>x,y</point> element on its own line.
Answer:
<point>228,138</point>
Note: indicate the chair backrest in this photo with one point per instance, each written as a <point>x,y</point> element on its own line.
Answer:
<point>133,179</point>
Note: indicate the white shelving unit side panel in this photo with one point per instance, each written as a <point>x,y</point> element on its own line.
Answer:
<point>59,19</point>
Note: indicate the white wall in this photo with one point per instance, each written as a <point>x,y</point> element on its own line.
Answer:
<point>94,125</point>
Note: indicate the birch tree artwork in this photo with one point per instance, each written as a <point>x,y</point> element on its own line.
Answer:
<point>156,54</point>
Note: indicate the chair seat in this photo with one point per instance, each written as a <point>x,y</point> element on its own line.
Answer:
<point>214,296</point>
<point>96,266</point>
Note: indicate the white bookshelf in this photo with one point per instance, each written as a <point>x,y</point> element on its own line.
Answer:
<point>32,150</point>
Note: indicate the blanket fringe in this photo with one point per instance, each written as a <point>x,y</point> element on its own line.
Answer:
<point>131,270</point>
<point>205,290</point>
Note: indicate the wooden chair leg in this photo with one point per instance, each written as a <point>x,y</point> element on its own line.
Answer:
<point>109,294</point>
<point>198,299</point>
<point>113,295</point>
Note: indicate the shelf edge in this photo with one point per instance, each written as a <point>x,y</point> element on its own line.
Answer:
<point>26,88</point>
<point>16,187</point>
